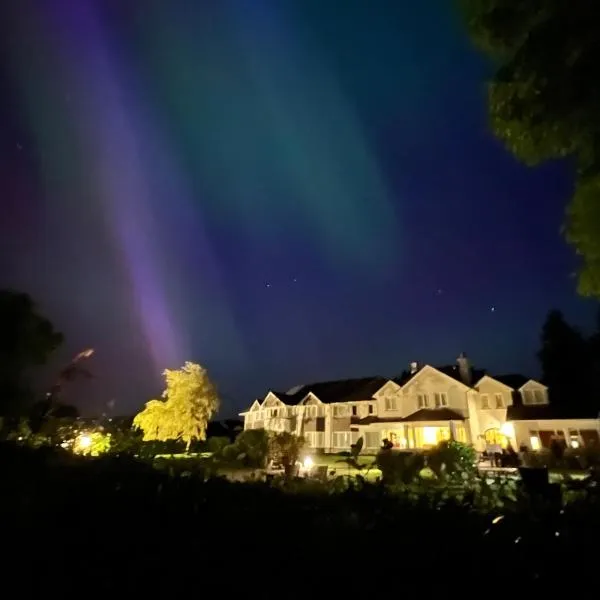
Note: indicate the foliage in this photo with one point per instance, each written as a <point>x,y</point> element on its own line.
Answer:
<point>284,449</point>
<point>189,401</point>
<point>399,467</point>
<point>27,340</point>
<point>544,98</point>
<point>216,444</point>
<point>93,443</point>
<point>451,459</point>
<point>251,447</point>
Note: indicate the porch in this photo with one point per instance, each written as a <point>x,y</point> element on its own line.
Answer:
<point>417,435</point>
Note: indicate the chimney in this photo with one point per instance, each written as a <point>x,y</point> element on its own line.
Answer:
<point>464,368</point>
<point>414,367</point>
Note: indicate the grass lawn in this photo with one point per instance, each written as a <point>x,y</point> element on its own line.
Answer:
<point>334,462</point>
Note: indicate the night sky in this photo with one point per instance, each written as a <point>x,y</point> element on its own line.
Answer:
<point>281,190</point>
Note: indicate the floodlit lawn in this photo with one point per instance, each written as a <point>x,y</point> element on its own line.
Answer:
<point>334,462</point>
<point>184,455</point>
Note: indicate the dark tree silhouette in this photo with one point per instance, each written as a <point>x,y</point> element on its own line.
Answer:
<point>565,358</point>
<point>544,99</point>
<point>27,339</point>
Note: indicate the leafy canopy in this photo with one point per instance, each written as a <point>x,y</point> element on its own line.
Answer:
<point>189,401</point>
<point>285,448</point>
<point>27,340</point>
<point>544,99</point>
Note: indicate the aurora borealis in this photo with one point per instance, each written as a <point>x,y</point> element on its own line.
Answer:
<point>281,190</point>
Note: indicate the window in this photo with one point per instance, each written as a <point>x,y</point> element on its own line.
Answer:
<point>314,439</point>
<point>422,400</point>
<point>441,399</point>
<point>370,409</point>
<point>274,412</point>
<point>372,439</point>
<point>390,403</point>
<point>340,411</point>
<point>485,401</point>
<point>499,401</point>
<point>528,397</point>
<point>342,439</point>
<point>354,411</point>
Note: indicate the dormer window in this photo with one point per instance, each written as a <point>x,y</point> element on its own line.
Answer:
<point>534,397</point>
<point>390,403</point>
<point>499,400</point>
<point>441,400</point>
<point>423,401</point>
<point>485,401</point>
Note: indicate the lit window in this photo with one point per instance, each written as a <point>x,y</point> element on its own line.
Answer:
<point>441,399</point>
<point>423,401</point>
<point>430,435</point>
<point>342,439</point>
<point>499,401</point>
<point>535,443</point>
<point>485,401</point>
<point>372,439</point>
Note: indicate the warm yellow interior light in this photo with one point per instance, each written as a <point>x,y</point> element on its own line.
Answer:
<point>508,430</point>
<point>430,435</point>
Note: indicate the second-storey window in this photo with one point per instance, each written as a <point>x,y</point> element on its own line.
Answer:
<point>485,401</point>
<point>441,399</point>
<point>423,401</point>
<point>390,403</point>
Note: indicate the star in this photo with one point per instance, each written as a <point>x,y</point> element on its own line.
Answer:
<point>493,309</point>
<point>267,285</point>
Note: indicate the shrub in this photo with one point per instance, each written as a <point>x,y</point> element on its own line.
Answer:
<point>251,447</point>
<point>217,444</point>
<point>452,458</point>
<point>399,467</point>
<point>284,448</point>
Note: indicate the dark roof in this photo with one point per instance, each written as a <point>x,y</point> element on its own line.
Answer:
<point>424,414</point>
<point>434,414</point>
<point>450,370</point>
<point>512,380</point>
<point>521,412</point>
<point>345,390</point>
<point>372,419</point>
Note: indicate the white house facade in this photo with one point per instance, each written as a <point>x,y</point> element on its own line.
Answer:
<point>421,408</point>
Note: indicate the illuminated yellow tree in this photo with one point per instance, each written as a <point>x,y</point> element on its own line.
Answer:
<point>189,401</point>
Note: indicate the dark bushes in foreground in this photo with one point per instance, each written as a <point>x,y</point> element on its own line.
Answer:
<point>120,526</point>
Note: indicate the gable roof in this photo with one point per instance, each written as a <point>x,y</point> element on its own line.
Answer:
<point>449,370</point>
<point>328,392</point>
<point>512,380</point>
